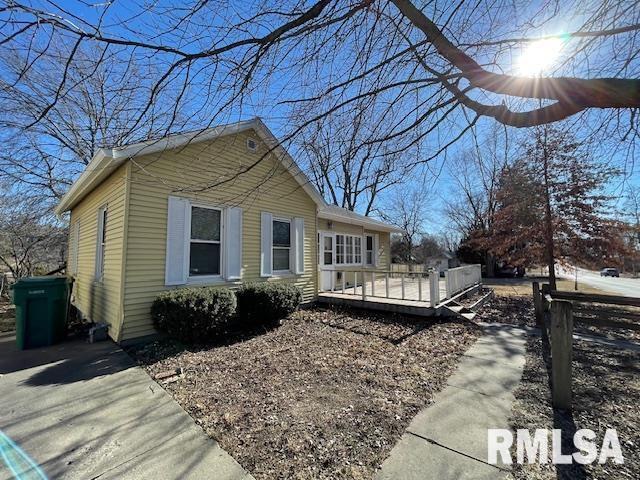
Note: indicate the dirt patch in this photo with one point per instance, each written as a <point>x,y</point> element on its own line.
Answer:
<point>606,386</point>
<point>325,395</point>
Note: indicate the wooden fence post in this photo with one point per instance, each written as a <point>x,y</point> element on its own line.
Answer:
<point>561,353</point>
<point>537,304</point>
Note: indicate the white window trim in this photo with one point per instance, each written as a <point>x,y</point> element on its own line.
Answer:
<point>289,271</point>
<point>101,242</point>
<point>203,279</point>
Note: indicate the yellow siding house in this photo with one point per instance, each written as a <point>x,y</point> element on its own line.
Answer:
<point>221,206</point>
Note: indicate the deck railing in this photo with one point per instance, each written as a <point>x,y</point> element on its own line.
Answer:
<point>461,278</point>
<point>412,286</point>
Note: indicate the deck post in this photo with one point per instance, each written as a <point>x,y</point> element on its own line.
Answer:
<point>434,288</point>
<point>386,283</point>
<point>420,287</point>
<point>402,282</point>
<point>373,284</point>
<point>364,286</point>
<point>343,278</point>
<point>355,283</point>
<point>447,284</point>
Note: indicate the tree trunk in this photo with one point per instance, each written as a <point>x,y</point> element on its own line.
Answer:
<point>491,265</point>
<point>548,220</point>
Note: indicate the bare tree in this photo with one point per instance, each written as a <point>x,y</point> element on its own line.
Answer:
<point>347,165</point>
<point>472,203</point>
<point>632,211</point>
<point>31,242</point>
<point>445,65</point>
<point>407,211</point>
<point>98,111</point>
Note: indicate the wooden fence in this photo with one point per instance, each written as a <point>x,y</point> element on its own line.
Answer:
<point>556,314</point>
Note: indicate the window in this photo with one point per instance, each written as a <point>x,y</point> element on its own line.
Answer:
<point>281,245</point>
<point>340,249</point>
<point>204,245</point>
<point>369,250</point>
<point>357,250</point>
<point>349,255</point>
<point>348,250</point>
<point>101,242</point>
<point>328,250</point>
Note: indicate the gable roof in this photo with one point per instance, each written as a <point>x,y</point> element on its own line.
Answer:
<point>107,160</point>
<point>339,214</point>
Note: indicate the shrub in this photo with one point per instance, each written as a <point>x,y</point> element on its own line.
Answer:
<point>266,303</point>
<point>194,314</point>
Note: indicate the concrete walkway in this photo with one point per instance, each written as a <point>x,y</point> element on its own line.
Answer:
<point>83,411</point>
<point>448,440</point>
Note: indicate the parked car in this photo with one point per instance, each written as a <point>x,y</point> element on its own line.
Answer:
<point>507,271</point>
<point>609,272</point>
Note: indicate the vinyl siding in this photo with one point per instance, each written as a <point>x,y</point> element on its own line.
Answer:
<point>190,172</point>
<point>101,301</point>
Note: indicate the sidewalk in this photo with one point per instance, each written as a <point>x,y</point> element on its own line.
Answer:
<point>448,440</point>
<point>82,411</point>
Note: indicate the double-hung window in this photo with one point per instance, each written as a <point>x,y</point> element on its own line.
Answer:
<point>340,249</point>
<point>281,245</point>
<point>369,259</point>
<point>101,242</point>
<point>349,255</point>
<point>357,250</point>
<point>205,251</point>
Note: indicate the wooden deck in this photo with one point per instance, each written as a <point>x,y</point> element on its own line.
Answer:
<point>416,299</point>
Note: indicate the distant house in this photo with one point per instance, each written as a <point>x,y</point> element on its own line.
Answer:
<point>222,206</point>
<point>443,262</point>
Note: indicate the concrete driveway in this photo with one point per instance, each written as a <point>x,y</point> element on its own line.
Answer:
<point>82,411</point>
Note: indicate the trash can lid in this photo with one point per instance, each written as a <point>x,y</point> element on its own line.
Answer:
<point>43,280</point>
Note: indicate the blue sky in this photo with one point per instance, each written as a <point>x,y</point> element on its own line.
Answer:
<point>129,19</point>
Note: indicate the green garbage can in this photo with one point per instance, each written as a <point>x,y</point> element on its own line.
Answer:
<point>42,304</point>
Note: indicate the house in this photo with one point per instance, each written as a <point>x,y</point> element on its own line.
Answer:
<point>222,206</point>
<point>443,262</point>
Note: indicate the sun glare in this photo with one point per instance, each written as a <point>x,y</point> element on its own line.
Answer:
<point>539,56</point>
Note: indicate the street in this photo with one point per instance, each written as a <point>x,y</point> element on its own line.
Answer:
<point>629,287</point>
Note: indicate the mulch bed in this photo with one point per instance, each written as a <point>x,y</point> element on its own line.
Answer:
<point>606,389</point>
<point>325,395</point>
<point>511,310</point>
<point>518,310</point>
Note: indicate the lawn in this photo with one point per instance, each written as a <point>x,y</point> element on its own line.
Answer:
<point>325,395</point>
<point>522,286</point>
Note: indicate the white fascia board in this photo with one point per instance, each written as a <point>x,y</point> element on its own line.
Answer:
<point>363,222</point>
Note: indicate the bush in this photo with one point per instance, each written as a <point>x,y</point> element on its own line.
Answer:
<point>266,303</point>
<point>194,314</point>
